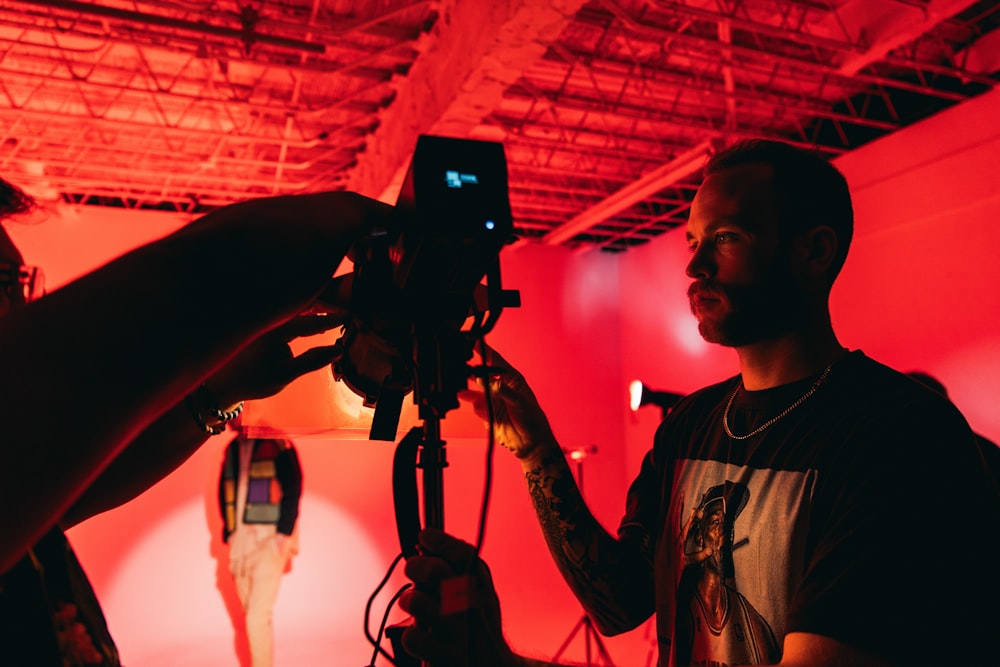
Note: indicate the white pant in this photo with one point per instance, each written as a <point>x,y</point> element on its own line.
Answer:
<point>257,575</point>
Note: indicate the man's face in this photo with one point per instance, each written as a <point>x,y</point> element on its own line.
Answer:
<point>19,284</point>
<point>745,289</point>
<point>10,256</point>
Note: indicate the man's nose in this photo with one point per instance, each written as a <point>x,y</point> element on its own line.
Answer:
<point>700,265</point>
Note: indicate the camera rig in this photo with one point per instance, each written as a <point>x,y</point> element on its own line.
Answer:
<point>422,292</point>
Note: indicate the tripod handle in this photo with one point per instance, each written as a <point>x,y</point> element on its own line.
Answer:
<point>404,491</point>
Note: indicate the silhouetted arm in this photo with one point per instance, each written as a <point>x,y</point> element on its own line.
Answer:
<point>98,361</point>
<point>262,369</point>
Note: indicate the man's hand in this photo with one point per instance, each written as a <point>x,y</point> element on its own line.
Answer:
<point>267,365</point>
<point>520,425</point>
<point>455,607</point>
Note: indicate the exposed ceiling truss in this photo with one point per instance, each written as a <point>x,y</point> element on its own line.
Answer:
<point>606,108</point>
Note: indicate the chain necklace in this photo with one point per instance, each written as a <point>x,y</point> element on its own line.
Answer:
<point>772,420</point>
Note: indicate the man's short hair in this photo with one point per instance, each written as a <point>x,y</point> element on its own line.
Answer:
<point>13,200</point>
<point>809,190</point>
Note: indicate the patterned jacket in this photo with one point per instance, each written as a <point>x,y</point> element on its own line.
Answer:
<point>273,490</point>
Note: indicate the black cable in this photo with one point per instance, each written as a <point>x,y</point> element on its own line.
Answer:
<point>490,446</point>
<point>376,642</point>
<point>381,628</point>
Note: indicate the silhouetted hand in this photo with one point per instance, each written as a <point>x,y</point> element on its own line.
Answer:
<point>267,365</point>
<point>454,605</point>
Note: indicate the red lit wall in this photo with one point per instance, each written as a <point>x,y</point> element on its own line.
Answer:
<point>919,291</point>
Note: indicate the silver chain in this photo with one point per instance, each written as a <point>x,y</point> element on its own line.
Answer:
<point>769,422</point>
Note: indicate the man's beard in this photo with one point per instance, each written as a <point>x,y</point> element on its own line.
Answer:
<point>764,311</point>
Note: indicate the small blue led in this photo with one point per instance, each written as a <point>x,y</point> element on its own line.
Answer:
<point>490,224</point>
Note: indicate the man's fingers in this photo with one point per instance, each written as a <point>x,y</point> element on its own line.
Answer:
<point>460,555</point>
<point>315,358</point>
<point>420,605</point>
<point>428,570</point>
<point>309,325</point>
<point>493,359</point>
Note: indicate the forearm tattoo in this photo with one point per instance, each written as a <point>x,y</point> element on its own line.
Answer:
<point>600,571</point>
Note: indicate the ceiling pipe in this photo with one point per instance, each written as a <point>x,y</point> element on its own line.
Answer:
<point>855,57</point>
<point>983,55</point>
<point>189,26</point>
<point>647,186</point>
<point>777,31</point>
<point>116,124</point>
<point>756,55</point>
<point>290,118</point>
<point>729,81</point>
<point>772,101</point>
<point>902,28</point>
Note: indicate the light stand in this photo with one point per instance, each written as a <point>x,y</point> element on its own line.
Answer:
<point>591,638</point>
<point>419,304</point>
<point>440,356</point>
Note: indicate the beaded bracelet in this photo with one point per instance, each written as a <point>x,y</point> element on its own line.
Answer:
<point>206,411</point>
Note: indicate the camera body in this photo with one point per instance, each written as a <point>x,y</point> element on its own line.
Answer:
<point>416,299</point>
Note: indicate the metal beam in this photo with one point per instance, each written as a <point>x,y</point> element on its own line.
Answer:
<point>458,79</point>
<point>241,34</point>
<point>983,55</point>
<point>656,180</point>
<point>888,26</point>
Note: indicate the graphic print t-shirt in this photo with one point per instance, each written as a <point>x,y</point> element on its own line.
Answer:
<point>820,524</point>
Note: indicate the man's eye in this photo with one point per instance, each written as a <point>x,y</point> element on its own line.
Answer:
<point>722,238</point>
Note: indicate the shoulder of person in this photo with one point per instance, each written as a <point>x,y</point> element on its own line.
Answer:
<point>873,387</point>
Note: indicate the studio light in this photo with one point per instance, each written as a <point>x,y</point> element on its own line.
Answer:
<point>640,395</point>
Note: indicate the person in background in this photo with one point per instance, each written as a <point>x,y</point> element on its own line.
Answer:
<point>990,450</point>
<point>260,488</point>
<point>864,508</point>
<point>115,379</point>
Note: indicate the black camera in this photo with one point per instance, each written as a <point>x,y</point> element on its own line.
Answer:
<point>425,289</point>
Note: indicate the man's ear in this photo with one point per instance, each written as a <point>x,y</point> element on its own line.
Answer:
<point>818,249</point>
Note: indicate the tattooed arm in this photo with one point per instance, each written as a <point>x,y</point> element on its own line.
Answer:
<point>612,578</point>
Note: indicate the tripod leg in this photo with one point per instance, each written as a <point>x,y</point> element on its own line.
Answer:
<point>576,628</point>
<point>591,638</point>
<point>602,651</point>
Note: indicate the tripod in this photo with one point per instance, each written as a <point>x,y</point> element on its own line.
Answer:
<point>591,638</point>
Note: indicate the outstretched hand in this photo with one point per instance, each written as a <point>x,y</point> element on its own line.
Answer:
<point>520,425</point>
<point>267,365</point>
<point>454,605</point>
